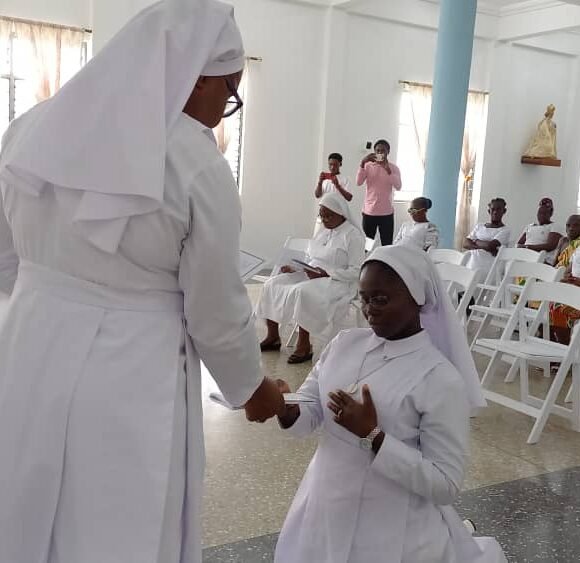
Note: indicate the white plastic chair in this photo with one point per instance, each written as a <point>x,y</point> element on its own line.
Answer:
<point>503,301</point>
<point>488,290</point>
<point>293,249</point>
<point>370,244</point>
<point>530,350</point>
<point>448,256</point>
<point>461,285</point>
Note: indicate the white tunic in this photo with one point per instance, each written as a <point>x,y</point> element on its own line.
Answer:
<point>482,259</point>
<point>539,234</point>
<point>100,416</point>
<point>355,507</point>
<point>421,235</point>
<point>315,305</point>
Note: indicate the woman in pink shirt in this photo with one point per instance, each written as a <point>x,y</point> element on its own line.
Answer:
<point>381,177</point>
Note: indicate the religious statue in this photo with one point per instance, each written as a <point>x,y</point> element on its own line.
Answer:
<point>543,144</point>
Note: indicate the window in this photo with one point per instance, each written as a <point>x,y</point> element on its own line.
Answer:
<point>233,152</point>
<point>414,119</point>
<point>35,61</point>
<point>228,136</point>
<point>409,153</point>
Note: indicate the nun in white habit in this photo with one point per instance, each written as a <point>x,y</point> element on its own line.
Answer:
<point>316,299</point>
<point>392,403</point>
<point>113,192</point>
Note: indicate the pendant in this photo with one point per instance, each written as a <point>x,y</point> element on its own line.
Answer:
<point>352,389</point>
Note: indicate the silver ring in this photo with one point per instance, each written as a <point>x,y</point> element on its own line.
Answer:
<point>339,413</point>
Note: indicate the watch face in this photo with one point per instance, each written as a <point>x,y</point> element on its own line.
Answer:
<point>366,444</point>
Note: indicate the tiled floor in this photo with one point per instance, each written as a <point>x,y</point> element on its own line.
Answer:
<point>527,496</point>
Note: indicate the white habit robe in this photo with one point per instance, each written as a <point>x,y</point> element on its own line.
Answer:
<point>315,305</point>
<point>101,434</point>
<point>355,507</point>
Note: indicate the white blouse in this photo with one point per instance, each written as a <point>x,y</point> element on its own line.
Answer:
<point>482,259</point>
<point>421,235</point>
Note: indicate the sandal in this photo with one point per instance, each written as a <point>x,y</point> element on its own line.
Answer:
<point>295,359</point>
<point>270,346</point>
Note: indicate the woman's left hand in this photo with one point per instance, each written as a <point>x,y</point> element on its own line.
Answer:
<point>320,273</point>
<point>358,418</point>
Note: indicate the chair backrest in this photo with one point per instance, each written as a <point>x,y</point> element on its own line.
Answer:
<point>553,292</point>
<point>530,271</point>
<point>448,256</point>
<point>370,244</point>
<point>460,281</point>
<point>544,293</point>
<point>507,255</point>
<point>534,271</point>
<point>294,248</point>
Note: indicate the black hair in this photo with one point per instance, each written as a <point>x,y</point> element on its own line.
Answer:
<point>499,200</point>
<point>335,156</point>
<point>383,142</point>
<point>424,202</point>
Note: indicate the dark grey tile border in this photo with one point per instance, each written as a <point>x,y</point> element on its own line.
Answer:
<point>536,519</point>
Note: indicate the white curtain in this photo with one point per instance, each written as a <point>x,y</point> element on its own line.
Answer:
<point>472,139</point>
<point>54,55</point>
<point>421,110</point>
<point>475,116</point>
<point>228,128</point>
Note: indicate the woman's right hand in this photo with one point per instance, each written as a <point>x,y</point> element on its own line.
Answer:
<point>369,158</point>
<point>292,411</point>
<point>287,270</point>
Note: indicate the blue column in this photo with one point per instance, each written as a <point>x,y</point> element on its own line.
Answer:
<point>450,87</point>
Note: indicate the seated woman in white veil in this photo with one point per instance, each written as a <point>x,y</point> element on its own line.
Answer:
<point>314,298</point>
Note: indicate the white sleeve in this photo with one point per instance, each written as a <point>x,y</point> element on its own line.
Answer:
<point>8,257</point>
<point>217,309</point>
<point>311,414</point>
<point>355,250</point>
<point>504,236</point>
<point>435,471</point>
<point>555,228</point>
<point>473,234</point>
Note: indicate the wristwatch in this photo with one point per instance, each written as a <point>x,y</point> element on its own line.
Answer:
<point>367,443</point>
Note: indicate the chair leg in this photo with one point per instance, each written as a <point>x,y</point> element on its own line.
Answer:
<point>549,402</point>
<point>574,394</point>
<point>485,322</point>
<point>292,336</point>
<point>524,380</point>
<point>490,369</point>
<point>512,372</point>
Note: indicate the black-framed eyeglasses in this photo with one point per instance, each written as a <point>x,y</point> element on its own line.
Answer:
<point>378,301</point>
<point>232,106</point>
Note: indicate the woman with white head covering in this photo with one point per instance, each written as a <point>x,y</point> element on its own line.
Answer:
<point>314,298</point>
<point>392,403</point>
<point>113,192</point>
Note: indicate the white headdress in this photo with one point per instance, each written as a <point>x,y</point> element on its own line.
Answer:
<point>335,202</point>
<point>438,317</point>
<point>103,135</point>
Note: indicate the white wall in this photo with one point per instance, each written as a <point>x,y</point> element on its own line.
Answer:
<point>282,120</point>
<point>65,12</point>
<point>525,80</point>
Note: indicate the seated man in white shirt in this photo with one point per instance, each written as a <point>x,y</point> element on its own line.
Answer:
<point>485,240</point>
